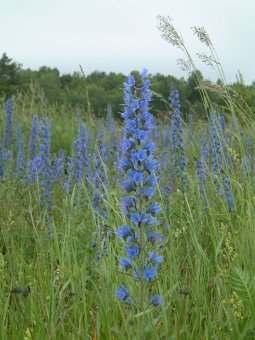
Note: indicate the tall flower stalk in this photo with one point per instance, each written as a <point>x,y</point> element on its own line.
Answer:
<point>20,157</point>
<point>99,179</point>
<point>45,172</point>
<point>80,159</point>
<point>141,238</point>
<point>220,160</point>
<point>180,160</point>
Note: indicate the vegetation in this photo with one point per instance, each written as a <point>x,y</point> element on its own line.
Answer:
<point>93,92</point>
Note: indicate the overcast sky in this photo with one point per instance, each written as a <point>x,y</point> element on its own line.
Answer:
<point>122,35</point>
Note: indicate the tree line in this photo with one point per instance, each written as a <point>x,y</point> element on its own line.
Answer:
<point>95,91</point>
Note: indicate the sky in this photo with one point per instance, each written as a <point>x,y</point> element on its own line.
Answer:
<point>122,35</point>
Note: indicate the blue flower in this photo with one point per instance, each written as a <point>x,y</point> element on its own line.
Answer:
<point>125,262</point>
<point>124,164</point>
<point>150,272</point>
<point>100,177</point>
<point>132,250</point>
<point>217,142</point>
<point>222,122</point>
<point>154,208</point>
<point>136,176</point>
<point>139,155</point>
<point>220,158</point>
<point>156,300</point>
<point>128,185</point>
<point>228,194</point>
<point>154,237</point>
<point>128,204</point>
<point>151,165</point>
<point>180,161</point>
<point>80,157</point>
<point>33,169</point>
<point>20,160</point>
<point>147,192</point>
<point>138,218</point>
<point>58,166</point>
<point>124,231</point>
<point>122,293</point>
<point>154,257</point>
<point>45,171</point>
<point>127,144</point>
<point>140,172</point>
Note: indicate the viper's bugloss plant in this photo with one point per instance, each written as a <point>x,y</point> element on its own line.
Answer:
<point>100,179</point>
<point>45,170</point>
<point>220,159</point>
<point>80,158</point>
<point>228,193</point>
<point>222,121</point>
<point>58,167</point>
<point>179,157</point>
<point>216,144</point>
<point>141,239</point>
<point>20,157</point>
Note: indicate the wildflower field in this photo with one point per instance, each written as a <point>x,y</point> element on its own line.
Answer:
<point>140,227</point>
<point>127,229</point>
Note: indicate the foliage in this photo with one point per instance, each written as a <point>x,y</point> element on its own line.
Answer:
<point>93,92</point>
<point>58,255</point>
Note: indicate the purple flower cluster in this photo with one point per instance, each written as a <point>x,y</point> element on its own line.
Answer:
<point>180,160</point>
<point>45,169</point>
<point>80,157</point>
<point>99,178</point>
<point>220,159</point>
<point>20,157</point>
<point>217,144</point>
<point>40,166</point>
<point>7,139</point>
<point>141,257</point>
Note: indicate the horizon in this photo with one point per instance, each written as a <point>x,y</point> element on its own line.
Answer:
<point>183,76</point>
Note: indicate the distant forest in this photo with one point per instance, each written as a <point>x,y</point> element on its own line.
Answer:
<point>95,91</point>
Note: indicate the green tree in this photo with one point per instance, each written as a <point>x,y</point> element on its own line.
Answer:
<point>9,76</point>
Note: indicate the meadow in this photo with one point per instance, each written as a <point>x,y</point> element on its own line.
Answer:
<point>140,227</point>
<point>62,207</point>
